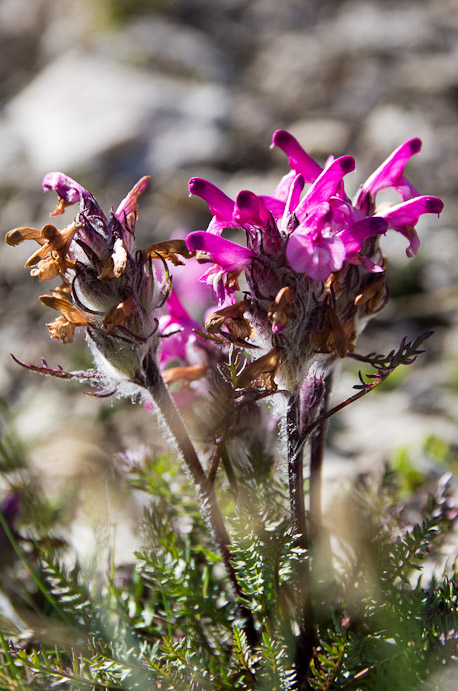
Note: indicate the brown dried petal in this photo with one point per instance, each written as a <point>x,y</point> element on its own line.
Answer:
<point>47,269</point>
<point>334,336</point>
<point>168,250</point>
<point>217,319</point>
<point>339,336</point>
<point>261,372</point>
<point>115,265</point>
<point>17,235</point>
<point>62,329</point>
<point>119,313</point>
<point>184,374</point>
<point>281,309</point>
<point>240,329</point>
<point>373,295</point>
<point>53,240</point>
<point>62,304</point>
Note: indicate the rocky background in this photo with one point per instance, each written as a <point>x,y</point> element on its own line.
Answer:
<point>111,90</point>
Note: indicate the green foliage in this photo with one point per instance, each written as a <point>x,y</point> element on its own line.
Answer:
<point>409,476</point>
<point>171,621</point>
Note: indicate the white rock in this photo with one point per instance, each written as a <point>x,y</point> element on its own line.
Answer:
<point>82,105</point>
<point>389,125</point>
<point>321,136</point>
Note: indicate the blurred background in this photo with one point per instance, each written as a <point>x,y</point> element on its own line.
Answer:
<point>111,90</point>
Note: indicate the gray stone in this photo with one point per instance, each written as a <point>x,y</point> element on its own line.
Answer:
<point>168,46</point>
<point>82,106</point>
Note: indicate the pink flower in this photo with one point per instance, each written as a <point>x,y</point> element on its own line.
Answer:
<point>316,254</point>
<point>227,254</point>
<point>299,159</point>
<point>229,257</point>
<point>328,184</point>
<point>390,174</point>
<point>177,330</point>
<point>316,232</point>
<point>403,217</point>
<point>220,205</point>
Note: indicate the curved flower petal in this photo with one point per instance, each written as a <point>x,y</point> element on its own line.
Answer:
<point>251,209</point>
<point>276,206</point>
<point>326,185</point>
<point>318,257</point>
<point>354,236</point>
<point>403,217</point>
<point>129,204</point>
<point>227,254</point>
<point>294,196</point>
<point>299,160</point>
<point>69,192</point>
<point>179,327</point>
<point>221,206</point>
<point>390,174</point>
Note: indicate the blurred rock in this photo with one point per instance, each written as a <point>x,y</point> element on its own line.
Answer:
<point>322,137</point>
<point>162,45</point>
<point>380,27</point>
<point>389,125</point>
<point>83,106</point>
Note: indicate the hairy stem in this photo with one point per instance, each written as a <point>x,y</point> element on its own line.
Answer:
<point>316,464</point>
<point>152,380</point>
<point>307,636</point>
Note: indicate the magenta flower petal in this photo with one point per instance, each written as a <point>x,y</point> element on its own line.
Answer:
<point>318,257</point>
<point>179,327</point>
<point>250,209</point>
<point>178,314</point>
<point>403,217</point>
<point>221,206</point>
<point>68,189</point>
<point>71,192</point>
<point>326,185</point>
<point>390,174</point>
<point>354,236</point>
<point>227,254</point>
<point>129,204</point>
<point>299,160</point>
<point>274,205</point>
<point>370,266</point>
<point>295,192</point>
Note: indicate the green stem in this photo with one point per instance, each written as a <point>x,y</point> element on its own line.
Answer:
<point>317,443</point>
<point>35,578</point>
<point>307,635</point>
<point>9,659</point>
<point>154,383</point>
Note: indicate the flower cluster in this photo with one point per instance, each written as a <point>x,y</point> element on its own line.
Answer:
<point>108,287</point>
<point>312,263</point>
<point>312,267</point>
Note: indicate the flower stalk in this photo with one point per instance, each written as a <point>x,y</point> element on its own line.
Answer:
<point>152,380</point>
<point>307,632</point>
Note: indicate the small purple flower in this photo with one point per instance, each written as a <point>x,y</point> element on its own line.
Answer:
<point>108,287</point>
<point>317,254</point>
<point>229,257</point>
<point>318,231</point>
<point>390,174</point>
<point>299,159</point>
<point>403,217</point>
<point>220,205</point>
<point>69,192</point>
<point>177,329</point>
<point>328,184</point>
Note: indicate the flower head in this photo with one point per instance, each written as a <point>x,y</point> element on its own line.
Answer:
<point>310,252</point>
<point>107,287</point>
